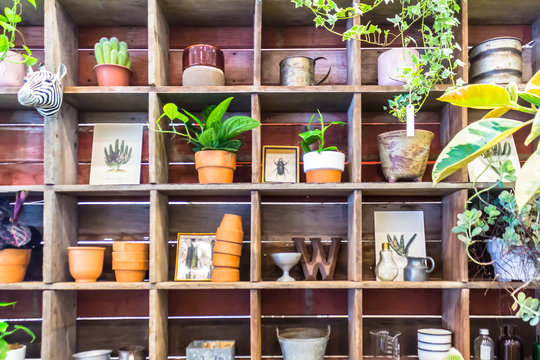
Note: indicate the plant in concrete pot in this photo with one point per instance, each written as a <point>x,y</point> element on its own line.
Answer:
<point>113,62</point>
<point>324,164</point>
<point>13,63</point>
<point>12,351</point>
<point>213,139</point>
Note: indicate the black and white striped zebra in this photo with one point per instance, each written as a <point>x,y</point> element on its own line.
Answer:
<point>43,90</point>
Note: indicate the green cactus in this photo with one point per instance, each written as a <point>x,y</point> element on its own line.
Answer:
<point>112,52</point>
<point>399,246</point>
<point>117,156</point>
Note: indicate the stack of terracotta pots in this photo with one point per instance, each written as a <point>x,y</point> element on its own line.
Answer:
<point>130,261</point>
<point>227,249</point>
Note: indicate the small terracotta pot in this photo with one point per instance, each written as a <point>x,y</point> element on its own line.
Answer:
<point>230,221</point>
<point>130,246</point>
<point>13,264</point>
<point>234,236</point>
<point>86,263</point>
<point>404,157</point>
<point>225,274</point>
<point>323,176</point>
<point>130,265</point>
<point>325,167</point>
<point>130,275</point>
<point>226,260</point>
<point>112,75</point>
<point>129,256</point>
<point>225,247</point>
<point>215,166</point>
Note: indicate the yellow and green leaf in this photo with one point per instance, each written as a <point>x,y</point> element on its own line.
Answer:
<point>479,96</point>
<point>496,113</point>
<point>535,130</point>
<point>528,181</point>
<point>533,86</point>
<point>472,142</point>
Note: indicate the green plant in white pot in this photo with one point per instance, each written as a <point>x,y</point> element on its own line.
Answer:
<point>325,164</point>
<point>12,351</point>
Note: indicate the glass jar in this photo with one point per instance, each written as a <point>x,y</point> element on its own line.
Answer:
<point>386,269</point>
<point>483,346</point>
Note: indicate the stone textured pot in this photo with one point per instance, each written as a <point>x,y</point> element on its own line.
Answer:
<point>215,166</point>
<point>13,264</point>
<point>112,75</point>
<point>325,167</point>
<point>390,64</point>
<point>511,265</point>
<point>404,157</point>
<point>17,354</point>
<point>11,73</point>
<point>303,343</point>
<point>86,263</point>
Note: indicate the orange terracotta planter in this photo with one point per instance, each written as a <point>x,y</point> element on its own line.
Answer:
<point>225,247</point>
<point>215,166</point>
<point>130,246</point>
<point>323,176</point>
<point>130,265</point>
<point>130,275</point>
<point>129,256</point>
<point>86,263</point>
<point>112,75</point>
<point>226,260</point>
<point>234,236</point>
<point>231,221</point>
<point>225,274</point>
<point>13,264</point>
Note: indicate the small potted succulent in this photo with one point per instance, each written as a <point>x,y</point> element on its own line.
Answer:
<point>213,139</point>
<point>12,351</point>
<point>113,62</point>
<point>324,164</point>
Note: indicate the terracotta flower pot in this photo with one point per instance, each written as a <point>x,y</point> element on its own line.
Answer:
<point>225,247</point>
<point>86,263</point>
<point>112,75</point>
<point>129,256</point>
<point>130,246</point>
<point>234,236</point>
<point>130,265</point>
<point>11,73</point>
<point>215,166</point>
<point>404,157</point>
<point>225,274</point>
<point>13,264</point>
<point>231,221</point>
<point>226,260</point>
<point>130,275</point>
<point>325,167</point>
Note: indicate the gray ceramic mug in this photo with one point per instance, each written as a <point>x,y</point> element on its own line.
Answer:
<point>417,270</point>
<point>300,71</point>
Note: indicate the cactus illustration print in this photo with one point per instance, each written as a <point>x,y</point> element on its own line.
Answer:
<point>117,156</point>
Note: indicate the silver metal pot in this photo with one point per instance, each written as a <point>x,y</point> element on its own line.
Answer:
<point>300,71</point>
<point>132,353</point>
<point>496,61</point>
<point>94,355</point>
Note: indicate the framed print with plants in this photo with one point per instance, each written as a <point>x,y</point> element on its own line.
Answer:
<point>194,257</point>
<point>116,154</point>
<point>280,164</point>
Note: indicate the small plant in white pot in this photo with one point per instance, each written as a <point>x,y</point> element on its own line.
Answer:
<point>12,351</point>
<point>325,164</point>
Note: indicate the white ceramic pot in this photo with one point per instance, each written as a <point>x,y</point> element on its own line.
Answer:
<point>434,347</point>
<point>514,264</point>
<point>326,160</point>
<point>434,336</point>
<point>201,75</point>
<point>12,74</point>
<point>431,355</point>
<point>17,354</point>
<point>390,64</point>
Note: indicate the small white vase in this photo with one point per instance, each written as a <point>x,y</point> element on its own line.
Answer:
<point>512,264</point>
<point>391,62</point>
<point>17,354</point>
<point>12,74</point>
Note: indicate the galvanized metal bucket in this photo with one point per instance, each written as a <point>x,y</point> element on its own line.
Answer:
<point>303,343</point>
<point>496,61</point>
<point>300,71</point>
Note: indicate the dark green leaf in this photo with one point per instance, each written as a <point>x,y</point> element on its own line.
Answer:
<point>236,125</point>
<point>207,138</point>
<point>194,119</point>
<point>207,111</point>
<point>216,116</point>
<point>26,330</point>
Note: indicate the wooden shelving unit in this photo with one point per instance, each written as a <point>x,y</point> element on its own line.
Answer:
<point>52,160</point>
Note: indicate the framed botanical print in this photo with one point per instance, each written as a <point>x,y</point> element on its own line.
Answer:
<point>281,164</point>
<point>194,257</point>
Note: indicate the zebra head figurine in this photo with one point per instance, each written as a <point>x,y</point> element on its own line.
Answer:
<point>43,90</point>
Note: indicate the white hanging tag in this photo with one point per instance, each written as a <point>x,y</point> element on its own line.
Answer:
<point>410,120</point>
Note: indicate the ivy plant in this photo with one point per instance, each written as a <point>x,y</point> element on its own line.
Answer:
<point>9,21</point>
<point>5,331</point>
<point>313,136</point>
<point>435,22</point>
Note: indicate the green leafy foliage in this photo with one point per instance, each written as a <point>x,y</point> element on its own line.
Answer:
<point>5,331</point>
<point>528,308</point>
<point>112,51</point>
<point>313,136</point>
<point>9,21</point>
<point>212,133</point>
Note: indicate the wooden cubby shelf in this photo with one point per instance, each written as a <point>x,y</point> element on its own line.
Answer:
<point>52,161</point>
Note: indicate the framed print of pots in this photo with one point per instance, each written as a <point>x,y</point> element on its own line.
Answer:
<point>405,234</point>
<point>116,154</point>
<point>194,257</point>
<point>488,166</point>
<point>280,164</point>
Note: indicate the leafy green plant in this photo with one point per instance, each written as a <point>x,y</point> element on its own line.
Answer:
<point>9,22</point>
<point>400,247</point>
<point>112,52</point>
<point>528,307</point>
<point>117,156</point>
<point>6,331</point>
<point>313,136</point>
<point>212,133</point>
<point>435,22</point>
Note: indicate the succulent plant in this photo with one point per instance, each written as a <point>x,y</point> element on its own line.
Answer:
<point>117,156</point>
<point>112,52</point>
<point>399,246</point>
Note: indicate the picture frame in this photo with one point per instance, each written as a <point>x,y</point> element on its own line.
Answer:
<point>194,256</point>
<point>280,164</point>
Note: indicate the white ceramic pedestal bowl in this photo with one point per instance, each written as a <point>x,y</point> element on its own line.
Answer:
<point>285,261</point>
<point>94,355</point>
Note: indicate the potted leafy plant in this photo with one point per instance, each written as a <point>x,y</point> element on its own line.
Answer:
<point>12,351</point>
<point>12,63</point>
<point>325,164</point>
<point>113,62</point>
<point>213,139</point>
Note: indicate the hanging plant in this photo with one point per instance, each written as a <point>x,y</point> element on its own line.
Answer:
<point>9,21</point>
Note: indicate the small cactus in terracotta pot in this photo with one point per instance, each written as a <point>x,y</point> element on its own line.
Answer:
<point>113,62</point>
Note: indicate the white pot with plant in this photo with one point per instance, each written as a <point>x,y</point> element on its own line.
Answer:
<point>12,351</point>
<point>325,164</point>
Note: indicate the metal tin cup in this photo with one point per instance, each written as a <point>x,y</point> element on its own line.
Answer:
<point>300,71</point>
<point>496,61</point>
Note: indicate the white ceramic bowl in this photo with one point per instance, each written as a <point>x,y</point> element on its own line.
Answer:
<point>94,355</point>
<point>434,347</point>
<point>435,336</point>
<point>431,355</point>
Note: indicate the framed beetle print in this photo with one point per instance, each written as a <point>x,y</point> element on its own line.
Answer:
<point>281,164</point>
<point>194,257</point>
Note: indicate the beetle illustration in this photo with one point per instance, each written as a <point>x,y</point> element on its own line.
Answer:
<point>281,168</point>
